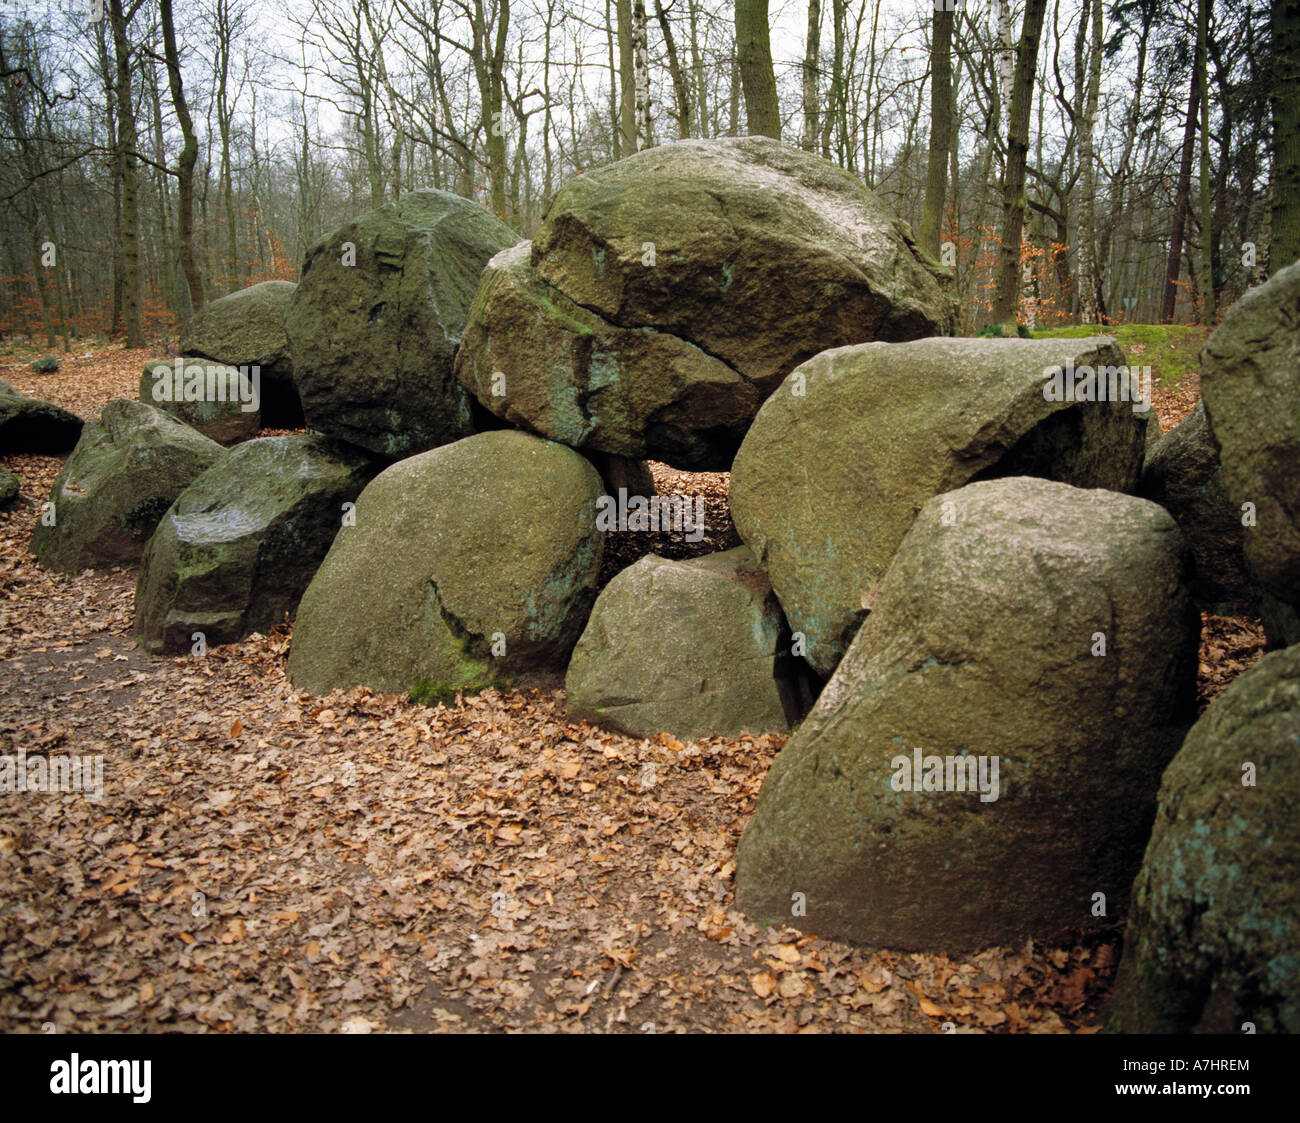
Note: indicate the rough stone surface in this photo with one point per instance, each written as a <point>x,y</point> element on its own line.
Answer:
<point>667,294</point>
<point>845,453</point>
<point>1182,473</point>
<point>492,534</point>
<point>1214,928</point>
<point>9,486</point>
<point>237,549</point>
<point>130,464</point>
<point>31,425</point>
<point>1252,396</point>
<point>982,642</point>
<point>619,472</point>
<point>692,648</point>
<point>764,255</point>
<point>224,422</point>
<point>373,342</point>
<point>539,361</point>
<point>246,328</point>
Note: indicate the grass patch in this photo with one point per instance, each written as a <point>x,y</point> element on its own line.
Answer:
<point>1170,350</point>
<point>994,331</point>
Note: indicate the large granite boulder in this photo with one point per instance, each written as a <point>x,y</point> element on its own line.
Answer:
<point>130,464</point>
<point>237,549</point>
<point>31,425</point>
<point>706,271</point>
<point>1252,395</point>
<point>985,760</point>
<point>246,329</point>
<point>225,417</point>
<point>468,565</point>
<point>374,324</point>
<point>539,361</point>
<point>1182,473</point>
<point>715,660</point>
<point>1213,938</point>
<point>845,453</point>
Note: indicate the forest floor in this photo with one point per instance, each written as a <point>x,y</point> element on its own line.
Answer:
<point>265,860</point>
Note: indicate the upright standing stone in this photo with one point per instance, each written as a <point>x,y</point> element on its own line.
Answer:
<point>239,546</point>
<point>376,319</point>
<point>983,765</point>
<point>1252,395</point>
<point>467,565</point>
<point>130,464</point>
<point>694,648</point>
<point>1213,939</point>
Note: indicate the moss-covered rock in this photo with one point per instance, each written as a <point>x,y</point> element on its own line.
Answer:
<point>31,425</point>
<point>237,549</point>
<point>666,295</point>
<point>1025,624</point>
<point>225,421</point>
<point>1213,938</point>
<point>467,563</point>
<point>375,321</point>
<point>1252,397</point>
<point>845,453</point>
<point>541,362</point>
<point>693,648</point>
<point>246,328</point>
<point>1182,473</point>
<point>759,253</point>
<point>130,464</point>
<point>9,486</point>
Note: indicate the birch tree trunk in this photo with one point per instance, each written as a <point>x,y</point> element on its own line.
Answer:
<point>641,63</point>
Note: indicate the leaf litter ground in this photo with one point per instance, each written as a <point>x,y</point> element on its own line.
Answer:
<point>265,860</point>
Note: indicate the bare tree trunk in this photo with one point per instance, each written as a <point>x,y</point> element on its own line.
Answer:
<point>1006,52</point>
<point>641,67</point>
<point>681,87</point>
<point>626,79</point>
<point>1182,204</point>
<point>1089,283</point>
<point>697,69</point>
<point>188,157</point>
<point>754,51</point>
<point>614,41</point>
<point>1013,192</point>
<point>940,131</point>
<point>1207,215</point>
<point>127,174</point>
<point>812,49</point>
<point>1285,99</point>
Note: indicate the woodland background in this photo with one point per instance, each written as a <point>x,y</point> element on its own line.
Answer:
<point>1072,160</point>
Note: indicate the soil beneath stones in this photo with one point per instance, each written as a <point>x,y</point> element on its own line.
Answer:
<point>265,860</point>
